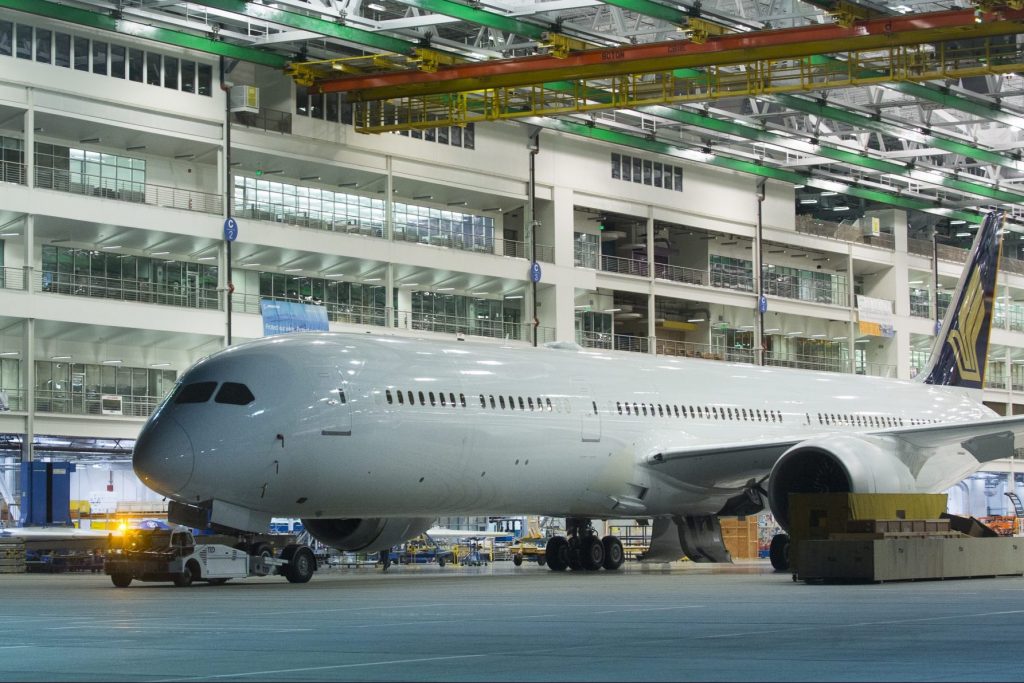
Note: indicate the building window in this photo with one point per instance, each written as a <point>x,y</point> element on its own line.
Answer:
<point>135,64</point>
<point>171,73</point>
<point>43,46</point>
<point>81,54</point>
<point>117,54</point>
<point>153,61</point>
<point>6,38</point>
<point>99,58</point>
<point>24,42</point>
<point>62,50</point>
<point>188,76</point>
<point>205,79</point>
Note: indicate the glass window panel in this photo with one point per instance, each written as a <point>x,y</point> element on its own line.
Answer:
<point>135,60</point>
<point>6,38</point>
<point>24,43</point>
<point>469,136</point>
<point>171,73</point>
<point>62,50</point>
<point>457,136</point>
<point>188,76</point>
<point>677,174</point>
<point>43,38</point>
<point>616,160</point>
<point>205,79</point>
<point>657,174</point>
<point>637,170</point>
<point>81,54</point>
<point>648,172</point>
<point>333,109</point>
<point>153,62</point>
<point>99,58</point>
<point>117,54</point>
<point>442,135</point>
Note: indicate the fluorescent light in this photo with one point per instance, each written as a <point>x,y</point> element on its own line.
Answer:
<point>424,196</point>
<point>159,365</point>
<point>520,296</point>
<point>10,353</point>
<point>184,156</point>
<point>840,208</point>
<point>829,194</point>
<point>457,203</point>
<point>309,177</point>
<point>9,234</point>
<point>275,171</point>
<point>348,184</point>
<point>957,222</point>
<point>251,265</point>
<point>292,270</point>
<point>135,148</point>
<point>113,246</point>
<point>496,208</point>
<point>963,234</point>
<point>376,7</point>
<point>695,320</point>
<point>60,357</point>
<point>445,289</point>
<point>113,361</point>
<point>159,253</point>
<point>207,258</point>
<point>88,140</point>
<point>409,284</point>
<point>808,201</point>
<point>372,279</point>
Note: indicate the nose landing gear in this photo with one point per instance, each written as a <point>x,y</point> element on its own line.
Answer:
<point>583,549</point>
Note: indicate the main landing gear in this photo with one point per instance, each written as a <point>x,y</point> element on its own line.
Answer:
<point>583,549</point>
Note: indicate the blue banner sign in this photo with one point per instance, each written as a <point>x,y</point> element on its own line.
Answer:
<point>291,316</point>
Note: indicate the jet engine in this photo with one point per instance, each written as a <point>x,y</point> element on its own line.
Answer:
<point>837,464</point>
<point>367,535</point>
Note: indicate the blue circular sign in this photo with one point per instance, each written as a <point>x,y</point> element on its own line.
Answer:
<point>231,230</point>
<point>535,272</point>
<point>762,304</point>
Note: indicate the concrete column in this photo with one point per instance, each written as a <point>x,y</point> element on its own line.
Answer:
<point>30,141</point>
<point>28,381</point>
<point>389,203</point>
<point>651,326</point>
<point>563,226</point>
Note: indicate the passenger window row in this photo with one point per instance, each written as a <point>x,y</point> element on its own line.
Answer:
<point>409,397</point>
<point>877,421</point>
<point>697,412</point>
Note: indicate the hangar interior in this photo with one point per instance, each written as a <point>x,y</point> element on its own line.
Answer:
<point>404,163</point>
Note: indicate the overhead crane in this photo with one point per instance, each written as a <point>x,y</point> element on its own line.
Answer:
<point>938,45</point>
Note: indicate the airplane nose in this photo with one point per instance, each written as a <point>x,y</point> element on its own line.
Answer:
<point>163,456</point>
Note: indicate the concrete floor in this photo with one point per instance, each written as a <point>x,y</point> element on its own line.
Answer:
<point>692,622</point>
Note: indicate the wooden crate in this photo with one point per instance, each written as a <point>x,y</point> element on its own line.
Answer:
<point>740,537</point>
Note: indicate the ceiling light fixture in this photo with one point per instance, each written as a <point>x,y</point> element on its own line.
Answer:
<point>497,208</point>
<point>9,353</point>
<point>273,172</point>
<point>348,184</point>
<point>135,148</point>
<point>292,270</point>
<point>309,177</point>
<point>376,7</point>
<point>86,141</point>
<point>185,156</point>
<point>424,196</point>
<point>457,203</point>
<point>159,365</point>
<point>159,253</point>
<point>60,357</point>
<point>112,361</point>
<point>207,258</point>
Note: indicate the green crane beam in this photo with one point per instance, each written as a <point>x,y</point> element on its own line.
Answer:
<point>652,9</point>
<point>830,152</point>
<point>126,27</point>
<point>315,24</point>
<point>748,167</point>
<point>479,16</point>
<point>819,108</point>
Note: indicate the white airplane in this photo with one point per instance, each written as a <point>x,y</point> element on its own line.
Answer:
<point>369,438</point>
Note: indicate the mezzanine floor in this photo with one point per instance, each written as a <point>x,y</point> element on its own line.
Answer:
<point>690,622</point>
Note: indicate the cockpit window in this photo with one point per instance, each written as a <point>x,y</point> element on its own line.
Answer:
<point>235,394</point>
<point>197,392</point>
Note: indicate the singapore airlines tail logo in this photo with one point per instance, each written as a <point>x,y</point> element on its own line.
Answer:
<point>969,321</point>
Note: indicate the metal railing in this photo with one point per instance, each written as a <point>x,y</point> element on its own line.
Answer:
<point>76,403</point>
<point>728,278</point>
<point>877,370</point>
<point>616,342</point>
<point>624,266</point>
<point>689,276</point>
<point>439,238</point>
<point>12,399</point>
<point>517,249</point>
<point>793,287</point>
<point>271,120</point>
<point>12,172</point>
<point>586,256</point>
<point>315,220</point>
<point>809,225</point>
<point>12,278</point>
<point>805,362</point>
<point>127,191</point>
<point>124,289</point>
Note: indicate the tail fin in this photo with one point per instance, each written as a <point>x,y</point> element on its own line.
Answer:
<point>958,357</point>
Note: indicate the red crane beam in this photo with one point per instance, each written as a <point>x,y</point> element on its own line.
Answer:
<point>733,48</point>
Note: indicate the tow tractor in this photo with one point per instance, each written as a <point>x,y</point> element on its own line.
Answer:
<point>174,555</point>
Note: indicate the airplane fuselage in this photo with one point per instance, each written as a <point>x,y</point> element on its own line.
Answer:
<point>350,425</point>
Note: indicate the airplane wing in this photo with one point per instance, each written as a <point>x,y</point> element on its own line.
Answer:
<point>734,465</point>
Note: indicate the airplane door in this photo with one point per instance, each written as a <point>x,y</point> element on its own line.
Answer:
<point>334,409</point>
<point>590,419</point>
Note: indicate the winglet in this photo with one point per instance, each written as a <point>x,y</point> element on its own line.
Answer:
<point>958,357</point>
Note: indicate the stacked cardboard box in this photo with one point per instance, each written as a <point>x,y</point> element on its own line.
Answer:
<point>12,556</point>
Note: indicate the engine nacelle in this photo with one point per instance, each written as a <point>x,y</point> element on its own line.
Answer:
<point>837,464</point>
<point>367,535</point>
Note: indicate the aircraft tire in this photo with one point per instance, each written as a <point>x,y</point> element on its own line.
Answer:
<point>575,559</point>
<point>183,579</point>
<point>557,553</point>
<point>591,553</point>
<point>614,555</point>
<point>301,563</point>
<point>440,561</point>
<point>121,580</point>
<point>517,560</point>
<point>778,552</point>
